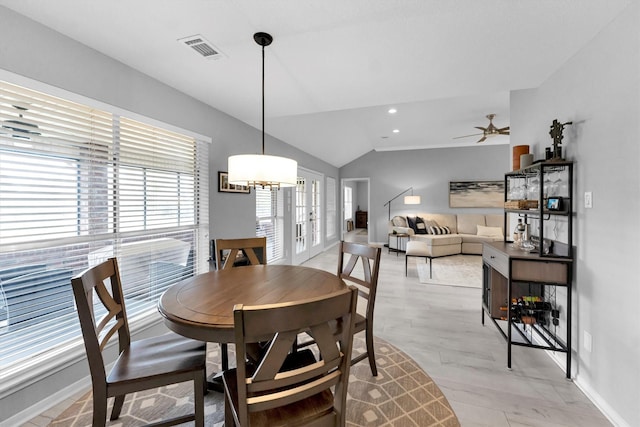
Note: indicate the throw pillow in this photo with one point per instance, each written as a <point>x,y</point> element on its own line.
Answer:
<point>399,221</point>
<point>440,230</point>
<point>411,221</point>
<point>421,227</point>
<point>431,223</point>
<point>490,231</point>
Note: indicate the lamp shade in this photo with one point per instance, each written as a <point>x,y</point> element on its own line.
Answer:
<point>411,200</point>
<point>261,170</point>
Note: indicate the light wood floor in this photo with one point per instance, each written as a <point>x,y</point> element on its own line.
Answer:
<point>440,327</point>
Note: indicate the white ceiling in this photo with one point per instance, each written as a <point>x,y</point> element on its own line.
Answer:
<point>336,66</point>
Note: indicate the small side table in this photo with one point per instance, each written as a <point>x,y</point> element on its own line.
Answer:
<point>398,236</point>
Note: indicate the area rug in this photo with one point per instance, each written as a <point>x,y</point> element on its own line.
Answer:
<point>455,270</point>
<point>401,395</point>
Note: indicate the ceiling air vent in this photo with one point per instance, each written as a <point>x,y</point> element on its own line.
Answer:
<point>202,46</point>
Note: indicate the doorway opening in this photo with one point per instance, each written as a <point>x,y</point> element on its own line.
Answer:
<point>355,219</point>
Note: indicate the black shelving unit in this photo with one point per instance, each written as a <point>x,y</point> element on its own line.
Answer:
<point>520,287</point>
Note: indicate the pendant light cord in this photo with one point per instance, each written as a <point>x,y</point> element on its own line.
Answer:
<point>263,100</point>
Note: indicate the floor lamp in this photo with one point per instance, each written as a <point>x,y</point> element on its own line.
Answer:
<point>408,200</point>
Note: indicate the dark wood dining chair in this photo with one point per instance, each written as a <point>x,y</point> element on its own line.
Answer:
<point>292,388</point>
<point>367,282</point>
<point>234,252</point>
<point>141,365</point>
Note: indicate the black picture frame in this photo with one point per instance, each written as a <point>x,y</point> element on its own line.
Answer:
<point>225,187</point>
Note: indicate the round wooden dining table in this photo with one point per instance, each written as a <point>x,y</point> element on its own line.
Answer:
<point>201,307</point>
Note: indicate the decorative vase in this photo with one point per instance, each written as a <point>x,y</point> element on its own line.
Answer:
<point>526,160</point>
<point>519,150</point>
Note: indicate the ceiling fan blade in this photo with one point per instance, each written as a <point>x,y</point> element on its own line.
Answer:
<point>505,132</point>
<point>466,136</point>
<point>484,138</point>
<point>503,129</point>
<point>481,128</point>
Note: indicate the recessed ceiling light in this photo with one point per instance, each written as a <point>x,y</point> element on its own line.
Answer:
<point>396,130</point>
<point>392,111</point>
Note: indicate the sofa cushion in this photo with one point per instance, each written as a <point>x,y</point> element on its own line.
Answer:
<point>399,221</point>
<point>442,245</point>
<point>440,240</point>
<point>494,220</point>
<point>467,223</point>
<point>489,231</point>
<point>472,238</point>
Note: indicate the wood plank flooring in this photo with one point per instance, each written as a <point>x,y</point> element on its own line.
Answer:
<point>440,327</point>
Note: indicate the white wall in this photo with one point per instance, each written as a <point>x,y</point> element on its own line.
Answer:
<point>429,173</point>
<point>362,200</point>
<point>599,90</point>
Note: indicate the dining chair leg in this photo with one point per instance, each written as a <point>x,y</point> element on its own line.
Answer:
<point>99,408</point>
<point>370,351</point>
<point>199,385</point>
<point>117,407</point>
<point>228,414</point>
<point>224,356</point>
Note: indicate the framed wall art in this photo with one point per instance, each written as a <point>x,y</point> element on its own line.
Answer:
<point>476,194</point>
<point>225,187</point>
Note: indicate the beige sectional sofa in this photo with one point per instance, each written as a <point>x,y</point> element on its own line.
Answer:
<point>467,232</point>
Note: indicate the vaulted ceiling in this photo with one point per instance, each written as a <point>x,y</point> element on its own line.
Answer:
<point>336,67</point>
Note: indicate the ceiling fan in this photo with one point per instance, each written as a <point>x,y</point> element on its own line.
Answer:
<point>490,130</point>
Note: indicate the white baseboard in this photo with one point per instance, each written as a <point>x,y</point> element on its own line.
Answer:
<point>591,394</point>
<point>600,403</point>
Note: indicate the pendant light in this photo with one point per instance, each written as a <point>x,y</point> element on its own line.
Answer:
<point>260,170</point>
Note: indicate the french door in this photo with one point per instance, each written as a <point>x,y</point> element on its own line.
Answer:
<point>308,224</point>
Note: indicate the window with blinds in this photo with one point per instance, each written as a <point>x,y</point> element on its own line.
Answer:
<point>77,186</point>
<point>270,221</point>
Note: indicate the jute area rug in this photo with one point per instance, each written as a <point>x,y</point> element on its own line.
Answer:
<point>455,270</point>
<point>401,395</point>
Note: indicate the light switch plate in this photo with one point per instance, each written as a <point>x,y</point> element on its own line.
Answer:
<point>588,199</point>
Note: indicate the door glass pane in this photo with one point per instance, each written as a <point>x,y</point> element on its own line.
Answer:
<point>316,217</point>
<point>301,216</point>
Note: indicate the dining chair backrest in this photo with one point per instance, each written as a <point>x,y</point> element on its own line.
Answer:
<point>302,390</point>
<point>253,248</point>
<point>98,332</point>
<point>367,278</point>
<point>145,364</point>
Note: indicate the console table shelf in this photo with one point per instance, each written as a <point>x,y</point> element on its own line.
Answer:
<point>519,294</point>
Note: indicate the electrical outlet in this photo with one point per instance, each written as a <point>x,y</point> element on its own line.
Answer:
<point>588,199</point>
<point>587,342</point>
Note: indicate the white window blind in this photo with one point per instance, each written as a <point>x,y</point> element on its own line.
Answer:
<point>80,185</point>
<point>270,221</point>
<point>348,203</point>
<point>331,207</point>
